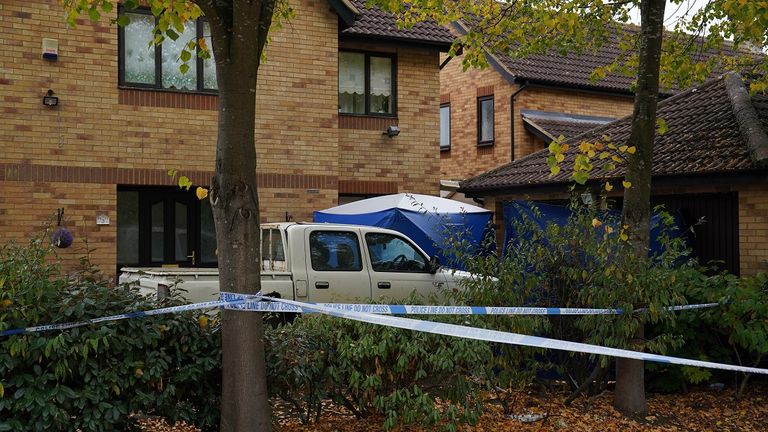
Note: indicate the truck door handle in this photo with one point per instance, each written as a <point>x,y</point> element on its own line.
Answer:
<point>322,285</point>
<point>384,285</point>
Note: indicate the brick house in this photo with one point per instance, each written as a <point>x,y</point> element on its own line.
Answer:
<point>336,77</point>
<point>516,106</point>
<point>711,163</point>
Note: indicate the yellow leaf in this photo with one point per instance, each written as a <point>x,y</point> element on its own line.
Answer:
<point>630,278</point>
<point>596,223</point>
<point>623,148</point>
<point>585,147</point>
<point>626,184</point>
<point>624,237</point>
<point>554,170</point>
<point>608,186</point>
<point>599,146</point>
<point>631,150</point>
<point>559,157</point>
<point>201,193</point>
<point>203,321</point>
<point>591,153</point>
<point>616,158</point>
<point>608,229</point>
<point>7,302</point>
<point>564,148</point>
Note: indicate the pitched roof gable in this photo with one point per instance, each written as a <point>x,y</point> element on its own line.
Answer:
<point>376,24</point>
<point>712,129</point>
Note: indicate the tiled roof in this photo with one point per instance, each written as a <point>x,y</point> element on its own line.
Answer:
<point>551,125</point>
<point>373,22</point>
<point>713,129</point>
<point>574,70</point>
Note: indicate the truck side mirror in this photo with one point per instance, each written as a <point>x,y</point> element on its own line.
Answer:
<point>434,264</point>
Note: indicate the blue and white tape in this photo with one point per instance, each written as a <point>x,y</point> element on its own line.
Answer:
<point>511,338</point>
<point>161,311</point>
<point>254,304</point>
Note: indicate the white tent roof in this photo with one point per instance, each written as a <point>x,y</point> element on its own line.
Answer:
<point>406,201</point>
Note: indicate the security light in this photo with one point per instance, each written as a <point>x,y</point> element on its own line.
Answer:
<point>50,100</point>
<point>392,131</point>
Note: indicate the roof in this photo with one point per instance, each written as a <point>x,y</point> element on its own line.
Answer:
<point>372,22</point>
<point>573,70</point>
<point>551,125</point>
<point>714,129</point>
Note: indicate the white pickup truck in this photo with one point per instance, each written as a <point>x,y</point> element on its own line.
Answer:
<point>321,263</point>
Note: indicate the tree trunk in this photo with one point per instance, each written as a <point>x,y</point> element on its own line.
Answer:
<point>238,30</point>
<point>630,386</point>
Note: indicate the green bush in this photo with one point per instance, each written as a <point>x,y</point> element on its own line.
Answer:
<point>371,369</point>
<point>93,377</point>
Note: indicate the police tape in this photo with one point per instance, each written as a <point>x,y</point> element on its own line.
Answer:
<point>510,338</point>
<point>161,311</point>
<point>256,303</point>
<point>253,304</point>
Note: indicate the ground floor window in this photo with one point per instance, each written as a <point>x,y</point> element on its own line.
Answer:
<point>164,226</point>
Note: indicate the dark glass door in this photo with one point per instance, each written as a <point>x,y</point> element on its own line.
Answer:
<point>164,227</point>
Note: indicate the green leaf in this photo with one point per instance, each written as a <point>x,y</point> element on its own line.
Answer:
<point>94,14</point>
<point>130,4</point>
<point>184,68</point>
<point>172,34</point>
<point>185,55</point>
<point>581,177</point>
<point>123,20</point>
<point>661,126</point>
<point>107,6</point>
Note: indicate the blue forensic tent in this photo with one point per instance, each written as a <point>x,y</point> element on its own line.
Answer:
<point>427,220</point>
<point>543,214</point>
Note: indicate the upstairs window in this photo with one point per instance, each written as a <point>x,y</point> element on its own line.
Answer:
<point>485,121</point>
<point>145,65</point>
<point>366,84</point>
<point>445,127</point>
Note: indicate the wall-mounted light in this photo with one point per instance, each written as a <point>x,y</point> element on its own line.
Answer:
<point>392,131</point>
<point>50,100</point>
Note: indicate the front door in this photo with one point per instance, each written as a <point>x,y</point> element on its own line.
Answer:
<point>164,227</point>
<point>168,220</point>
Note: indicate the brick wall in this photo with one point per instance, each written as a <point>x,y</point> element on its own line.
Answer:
<point>753,229</point>
<point>410,161</point>
<point>462,89</point>
<point>100,135</point>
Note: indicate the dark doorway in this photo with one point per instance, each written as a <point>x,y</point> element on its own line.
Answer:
<point>164,226</point>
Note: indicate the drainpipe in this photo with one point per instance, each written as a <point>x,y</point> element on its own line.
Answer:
<point>512,119</point>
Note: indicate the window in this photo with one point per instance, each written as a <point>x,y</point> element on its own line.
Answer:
<point>272,251</point>
<point>366,83</point>
<point>334,251</point>
<point>485,121</point>
<point>390,253</point>
<point>145,65</point>
<point>445,127</point>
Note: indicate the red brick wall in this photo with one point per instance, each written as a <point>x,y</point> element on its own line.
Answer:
<point>463,88</point>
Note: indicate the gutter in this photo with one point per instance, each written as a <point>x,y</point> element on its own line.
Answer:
<point>512,119</point>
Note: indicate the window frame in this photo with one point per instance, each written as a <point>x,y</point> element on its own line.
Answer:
<point>445,105</point>
<point>367,88</point>
<point>158,85</point>
<point>480,142</point>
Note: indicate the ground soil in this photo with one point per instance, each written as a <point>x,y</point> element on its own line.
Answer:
<point>700,410</point>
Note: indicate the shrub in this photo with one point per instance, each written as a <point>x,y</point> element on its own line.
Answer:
<point>370,369</point>
<point>93,377</point>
